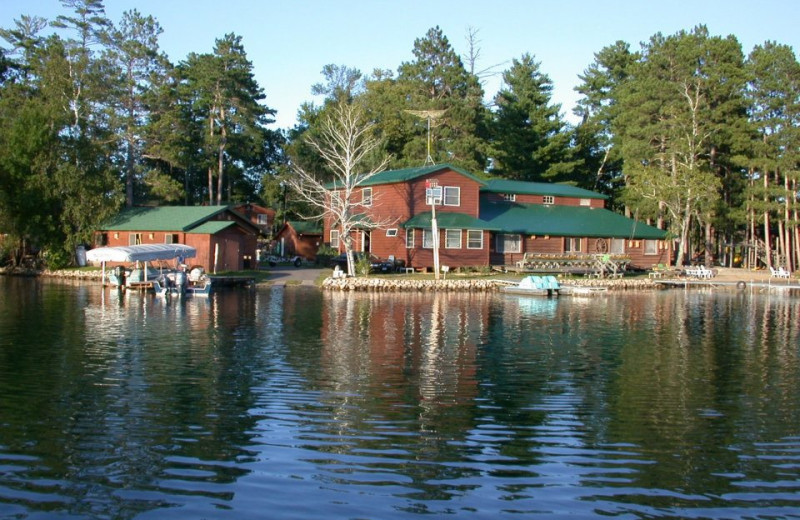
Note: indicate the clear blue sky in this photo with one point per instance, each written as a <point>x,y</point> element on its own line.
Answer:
<point>290,41</point>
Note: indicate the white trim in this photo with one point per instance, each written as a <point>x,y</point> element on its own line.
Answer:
<point>334,241</point>
<point>366,196</point>
<point>391,232</point>
<point>548,200</point>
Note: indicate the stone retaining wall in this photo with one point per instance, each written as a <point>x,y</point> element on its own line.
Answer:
<point>475,285</point>
<point>69,274</point>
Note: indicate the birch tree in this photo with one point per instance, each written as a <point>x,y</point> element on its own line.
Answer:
<point>346,143</point>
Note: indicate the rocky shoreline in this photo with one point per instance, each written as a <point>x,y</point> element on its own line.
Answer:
<point>471,285</point>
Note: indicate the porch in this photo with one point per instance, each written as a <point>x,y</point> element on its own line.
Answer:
<point>600,265</point>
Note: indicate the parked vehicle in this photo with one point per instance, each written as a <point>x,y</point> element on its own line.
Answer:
<point>377,265</point>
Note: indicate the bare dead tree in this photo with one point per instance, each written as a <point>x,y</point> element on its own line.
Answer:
<point>345,142</point>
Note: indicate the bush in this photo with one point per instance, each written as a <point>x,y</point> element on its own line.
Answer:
<point>325,254</point>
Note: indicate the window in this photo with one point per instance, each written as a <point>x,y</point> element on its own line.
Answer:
<point>452,239</point>
<point>427,239</point>
<point>586,202</point>
<point>170,238</point>
<point>335,238</point>
<point>474,239</point>
<point>651,247</point>
<point>510,197</point>
<point>262,219</point>
<point>452,196</point>
<point>617,246</point>
<point>102,240</point>
<point>366,196</point>
<point>509,243</point>
<point>572,245</point>
<point>409,238</point>
<point>134,239</point>
<point>391,232</point>
<point>548,199</point>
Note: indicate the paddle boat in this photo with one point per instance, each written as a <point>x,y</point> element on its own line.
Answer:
<point>535,286</point>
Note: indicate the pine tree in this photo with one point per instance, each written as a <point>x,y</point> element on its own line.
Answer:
<point>530,140</point>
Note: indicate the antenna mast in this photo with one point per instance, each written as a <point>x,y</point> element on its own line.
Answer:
<point>430,116</point>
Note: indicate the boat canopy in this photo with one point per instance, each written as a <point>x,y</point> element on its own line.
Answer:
<point>140,253</point>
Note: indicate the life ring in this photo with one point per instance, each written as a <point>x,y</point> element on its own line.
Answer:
<point>740,285</point>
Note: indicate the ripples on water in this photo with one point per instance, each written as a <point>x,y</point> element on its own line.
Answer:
<point>294,404</point>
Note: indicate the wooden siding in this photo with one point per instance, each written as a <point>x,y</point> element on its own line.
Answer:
<point>396,203</point>
<point>539,199</point>
<point>236,246</point>
<point>299,244</point>
<point>635,249</point>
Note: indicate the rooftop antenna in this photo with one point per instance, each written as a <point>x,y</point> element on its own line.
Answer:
<point>431,116</point>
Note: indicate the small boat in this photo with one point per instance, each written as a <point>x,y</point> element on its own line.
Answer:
<point>582,290</point>
<point>535,286</point>
<point>178,283</point>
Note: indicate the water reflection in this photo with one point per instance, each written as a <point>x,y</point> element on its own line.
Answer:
<point>330,405</point>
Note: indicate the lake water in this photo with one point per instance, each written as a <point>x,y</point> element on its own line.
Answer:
<point>290,403</point>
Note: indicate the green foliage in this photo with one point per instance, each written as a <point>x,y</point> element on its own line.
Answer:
<point>530,141</point>
<point>363,265</point>
<point>325,253</point>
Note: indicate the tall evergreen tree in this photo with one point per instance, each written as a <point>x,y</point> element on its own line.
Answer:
<point>669,125</point>
<point>530,140</point>
<point>774,96</point>
<point>134,63</point>
<point>596,143</point>
<point>226,102</point>
<point>437,80</point>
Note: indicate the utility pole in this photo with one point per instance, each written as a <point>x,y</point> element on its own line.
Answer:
<point>433,192</point>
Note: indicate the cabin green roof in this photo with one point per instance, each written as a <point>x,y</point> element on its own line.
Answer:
<point>539,188</point>
<point>164,218</point>
<point>305,227</point>
<point>212,227</point>
<point>448,219</point>
<point>569,221</point>
<point>408,174</point>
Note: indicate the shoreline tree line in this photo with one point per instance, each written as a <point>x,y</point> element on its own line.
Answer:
<point>686,132</point>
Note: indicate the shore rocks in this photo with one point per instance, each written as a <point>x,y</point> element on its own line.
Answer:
<point>474,285</point>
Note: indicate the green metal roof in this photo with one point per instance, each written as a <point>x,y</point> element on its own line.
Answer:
<point>305,227</point>
<point>164,218</point>
<point>407,174</point>
<point>212,226</point>
<point>539,188</point>
<point>571,221</point>
<point>448,219</point>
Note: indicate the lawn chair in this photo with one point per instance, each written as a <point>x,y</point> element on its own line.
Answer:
<point>778,273</point>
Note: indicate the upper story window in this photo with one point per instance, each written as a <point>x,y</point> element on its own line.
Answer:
<point>586,202</point>
<point>452,196</point>
<point>262,219</point>
<point>548,199</point>
<point>510,197</point>
<point>366,196</point>
<point>171,238</point>
<point>134,239</point>
<point>335,238</point>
